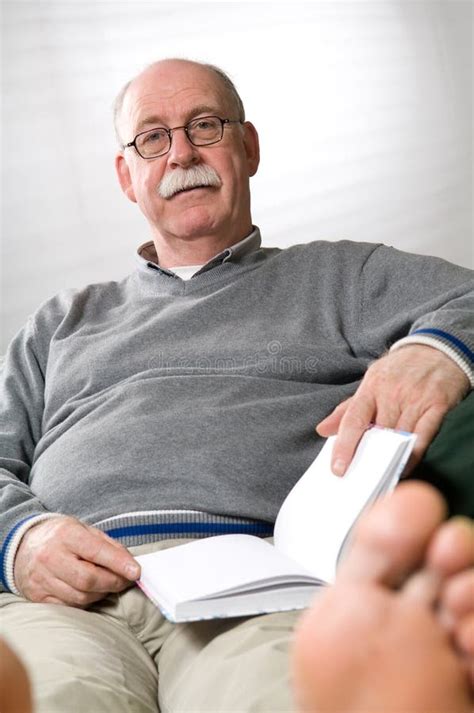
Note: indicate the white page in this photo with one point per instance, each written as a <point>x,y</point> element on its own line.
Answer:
<point>316,515</point>
<point>212,565</point>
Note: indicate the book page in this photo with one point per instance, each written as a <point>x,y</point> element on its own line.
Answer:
<point>319,511</point>
<point>213,566</point>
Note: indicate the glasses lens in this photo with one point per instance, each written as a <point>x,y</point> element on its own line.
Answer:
<point>153,143</point>
<point>206,130</point>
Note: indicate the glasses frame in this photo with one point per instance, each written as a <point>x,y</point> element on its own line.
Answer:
<point>224,122</point>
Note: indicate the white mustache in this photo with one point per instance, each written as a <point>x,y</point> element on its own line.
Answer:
<point>182,179</point>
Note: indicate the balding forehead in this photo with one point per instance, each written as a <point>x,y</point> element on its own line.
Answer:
<point>180,99</point>
<point>169,78</point>
<point>166,80</point>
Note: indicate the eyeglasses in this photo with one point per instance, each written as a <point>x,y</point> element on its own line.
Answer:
<point>204,131</point>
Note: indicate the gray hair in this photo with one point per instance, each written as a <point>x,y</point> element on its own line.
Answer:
<point>228,84</point>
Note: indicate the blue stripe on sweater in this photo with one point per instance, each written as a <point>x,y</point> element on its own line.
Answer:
<point>263,529</point>
<point>449,338</point>
<point>4,550</point>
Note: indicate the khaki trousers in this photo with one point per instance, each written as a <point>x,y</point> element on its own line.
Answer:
<point>123,656</point>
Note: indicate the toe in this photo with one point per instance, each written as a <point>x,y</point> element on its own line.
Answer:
<point>464,636</point>
<point>457,596</point>
<point>391,539</point>
<point>452,548</point>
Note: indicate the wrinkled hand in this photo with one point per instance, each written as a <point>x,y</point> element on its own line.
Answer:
<point>63,561</point>
<point>410,389</point>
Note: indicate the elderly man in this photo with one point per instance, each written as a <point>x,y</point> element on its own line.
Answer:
<point>181,402</point>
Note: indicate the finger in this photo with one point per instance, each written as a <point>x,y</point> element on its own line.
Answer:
<point>79,574</point>
<point>329,426</point>
<point>388,413</point>
<point>52,600</point>
<point>409,417</point>
<point>407,423</point>
<point>100,551</point>
<point>426,429</point>
<point>360,413</point>
<point>63,593</point>
<point>87,577</point>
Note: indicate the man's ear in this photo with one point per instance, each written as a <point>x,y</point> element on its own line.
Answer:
<point>252,147</point>
<point>124,177</point>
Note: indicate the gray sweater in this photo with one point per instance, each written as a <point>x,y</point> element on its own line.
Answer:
<point>156,407</point>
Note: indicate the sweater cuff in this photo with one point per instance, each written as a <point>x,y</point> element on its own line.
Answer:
<point>462,362</point>
<point>12,543</point>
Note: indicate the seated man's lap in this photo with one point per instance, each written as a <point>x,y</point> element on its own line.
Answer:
<point>89,660</point>
<point>79,660</point>
<point>229,665</point>
<point>111,656</point>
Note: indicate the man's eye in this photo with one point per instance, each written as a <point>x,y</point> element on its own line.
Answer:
<point>154,137</point>
<point>205,124</point>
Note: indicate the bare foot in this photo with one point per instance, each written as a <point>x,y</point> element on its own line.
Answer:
<point>451,555</point>
<point>15,694</point>
<point>395,633</point>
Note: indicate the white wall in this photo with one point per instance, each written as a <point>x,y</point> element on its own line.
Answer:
<point>378,95</point>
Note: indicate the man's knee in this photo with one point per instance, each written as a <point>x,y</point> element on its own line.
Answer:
<point>79,660</point>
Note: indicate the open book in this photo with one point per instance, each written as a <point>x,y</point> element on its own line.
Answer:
<point>240,575</point>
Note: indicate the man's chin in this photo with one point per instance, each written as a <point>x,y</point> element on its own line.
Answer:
<point>193,222</point>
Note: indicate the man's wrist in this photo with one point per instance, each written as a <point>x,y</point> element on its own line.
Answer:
<point>455,356</point>
<point>19,532</point>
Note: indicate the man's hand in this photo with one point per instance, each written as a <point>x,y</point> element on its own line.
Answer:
<point>410,389</point>
<point>63,561</point>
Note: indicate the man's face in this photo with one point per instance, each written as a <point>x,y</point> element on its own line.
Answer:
<point>171,94</point>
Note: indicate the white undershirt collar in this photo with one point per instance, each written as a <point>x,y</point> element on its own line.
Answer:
<point>185,272</point>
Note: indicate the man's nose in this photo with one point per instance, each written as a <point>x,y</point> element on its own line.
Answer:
<point>182,151</point>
